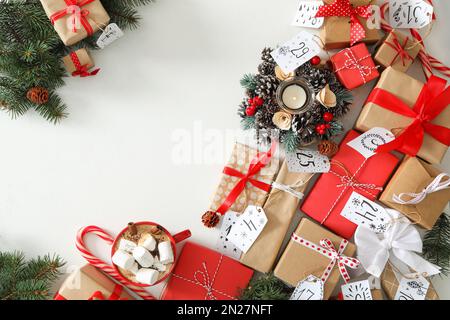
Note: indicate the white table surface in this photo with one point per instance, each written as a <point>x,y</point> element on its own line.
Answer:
<point>112,161</point>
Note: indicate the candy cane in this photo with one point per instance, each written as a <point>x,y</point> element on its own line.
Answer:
<point>105,267</point>
<point>428,62</point>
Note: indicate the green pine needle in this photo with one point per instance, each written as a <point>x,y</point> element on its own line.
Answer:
<point>290,140</point>
<point>266,287</point>
<point>436,244</point>
<point>248,81</point>
<point>248,123</point>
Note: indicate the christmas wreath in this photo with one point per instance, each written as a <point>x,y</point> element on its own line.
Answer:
<point>31,53</point>
<point>304,119</point>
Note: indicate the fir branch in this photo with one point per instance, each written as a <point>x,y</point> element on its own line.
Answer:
<point>290,140</point>
<point>53,110</point>
<point>248,82</point>
<point>266,287</point>
<point>248,123</point>
<point>436,244</point>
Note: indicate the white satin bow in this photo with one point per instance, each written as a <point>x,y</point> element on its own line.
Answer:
<point>399,244</point>
<point>436,185</point>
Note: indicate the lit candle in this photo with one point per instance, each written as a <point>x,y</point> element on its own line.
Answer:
<point>294,96</point>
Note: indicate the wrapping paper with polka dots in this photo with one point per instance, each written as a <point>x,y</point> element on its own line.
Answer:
<point>240,160</point>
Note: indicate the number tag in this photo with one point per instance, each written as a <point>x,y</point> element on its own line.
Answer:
<point>248,227</point>
<point>410,13</point>
<point>367,143</point>
<point>307,161</point>
<point>110,34</point>
<point>366,213</point>
<point>359,290</point>
<point>310,288</point>
<point>223,244</point>
<point>296,52</point>
<point>412,289</point>
<point>306,15</point>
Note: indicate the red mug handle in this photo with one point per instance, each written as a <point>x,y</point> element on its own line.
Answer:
<point>183,235</point>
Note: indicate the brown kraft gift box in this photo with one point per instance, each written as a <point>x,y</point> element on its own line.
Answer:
<point>298,262</point>
<point>407,89</point>
<point>412,176</point>
<point>335,33</point>
<point>387,55</point>
<point>84,282</point>
<point>240,160</point>
<point>389,283</point>
<point>83,56</point>
<point>280,209</point>
<point>97,17</point>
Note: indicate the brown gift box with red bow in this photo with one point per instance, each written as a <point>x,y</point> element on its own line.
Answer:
<point>397,51</point>
<point>84,58</point>
<point>335,33</point>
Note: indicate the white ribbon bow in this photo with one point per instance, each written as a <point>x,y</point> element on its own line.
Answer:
<point>436,185</point>
<point>399,244</point>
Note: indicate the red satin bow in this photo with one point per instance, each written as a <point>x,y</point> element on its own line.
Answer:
<point>81,70</point>
<point>115,295</point>
<point>400,49</point>
<point>432,100</point>
<point>80,14</point>
<point>343,8</point>
<point>259,162</point>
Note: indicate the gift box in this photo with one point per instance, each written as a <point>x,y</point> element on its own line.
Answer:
<point>332,190</point>
<point>89,283</point>
<point>299,261</point>
<point>411,110</point>
<point>78,63</point>
<point>397,51</point>
<point>75,20</point>
<point>414,176</point>
<point>337,32</point>
<point>242,184</point>
<point>390,284</point>
<point>280,209</point>
<point>204,274</point>
<point>354,66</point>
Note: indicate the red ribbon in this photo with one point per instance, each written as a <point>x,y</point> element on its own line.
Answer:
<point>73,8</point>
<point>259,162</point>
<point>433,99</point>
<point>81,70</point>
<point>400,49</point>
<point>343,8</point>
<point>98,295</point>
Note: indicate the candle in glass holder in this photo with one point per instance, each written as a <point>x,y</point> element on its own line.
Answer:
<point>294,95</point>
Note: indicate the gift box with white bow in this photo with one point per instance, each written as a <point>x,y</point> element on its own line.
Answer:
<point>418,190</point>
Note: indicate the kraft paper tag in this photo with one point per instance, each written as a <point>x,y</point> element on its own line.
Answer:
<point>248,227</point>
<point>307,161</point>
<point>410,13</point>
<point>306,15</point>
<point>223,244</point>
<point>310,288</point>
<point>367,143</point>
<point>296,52</point>
<point>412,289</point>
<point>359,290</point>
<point>111,33</point>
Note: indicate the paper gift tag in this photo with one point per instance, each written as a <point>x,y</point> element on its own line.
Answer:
<point>296,52</point>
<point>248,227</point>
<point>110,34</point>
<point>306,14</point>
<point>366,213</point>
<point>367,143</point>
<point>310,288</point>
<point>412,289</point>
<point>410,13</point>
<point>307,161</point>
<point>223,244</point>
<point>359,290</point>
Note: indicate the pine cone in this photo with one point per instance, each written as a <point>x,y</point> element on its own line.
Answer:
<point>37,95</point>
<point>266,86</point>
<point>263,118</point>
<point>266,55</point>
<point>304,125</point>
<point>266,68</point>
<point>210,219</point>
<point>328,148</point>
<point>3,105</point>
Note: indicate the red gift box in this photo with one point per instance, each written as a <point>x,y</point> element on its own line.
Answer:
<point>354,66</point>
<point>204,274</point>
<point>350,171</point>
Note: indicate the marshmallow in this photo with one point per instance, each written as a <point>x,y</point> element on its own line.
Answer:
<point>158,265</point>
<point>147,276</point>
<point>123,259</point>
<point>165,252</point>
<point>143,257</point>
<point>127,245</point>
<point>148,242</point>
<point>134,269</point>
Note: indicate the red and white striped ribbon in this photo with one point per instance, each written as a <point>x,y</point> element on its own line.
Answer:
<point>102,265</point>
<point>428,62</point>
<point>327,249</point>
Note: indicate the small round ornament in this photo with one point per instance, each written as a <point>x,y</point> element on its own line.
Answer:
<point>328,116</point>
<point>315,60</point>
<point>251,110</point>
